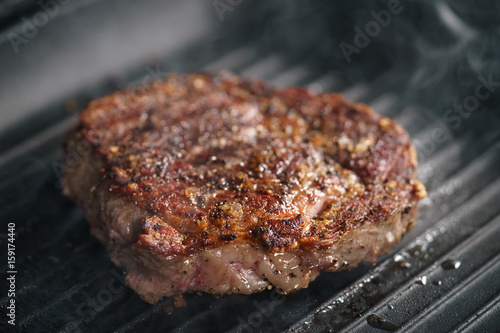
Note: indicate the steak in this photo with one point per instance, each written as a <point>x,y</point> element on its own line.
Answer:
<point>220,184</point>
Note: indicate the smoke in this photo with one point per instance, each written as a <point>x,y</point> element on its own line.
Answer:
<point>439,47</point>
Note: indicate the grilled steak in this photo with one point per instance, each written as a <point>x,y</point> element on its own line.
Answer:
<point>220,184</point>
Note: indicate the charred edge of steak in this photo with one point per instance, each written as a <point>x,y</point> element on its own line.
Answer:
<point>218,184</point>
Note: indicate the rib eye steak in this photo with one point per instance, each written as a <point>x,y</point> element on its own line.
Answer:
<point>221,184</point>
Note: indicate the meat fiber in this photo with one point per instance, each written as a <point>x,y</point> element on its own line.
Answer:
<point>221,184</point>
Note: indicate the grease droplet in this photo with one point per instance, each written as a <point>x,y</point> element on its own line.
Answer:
<point>416,250</point>
<point>451,264</point>
<point>381,323</point>
<point>404,264</point>
<point>398,258</point>
<point>422,280</point>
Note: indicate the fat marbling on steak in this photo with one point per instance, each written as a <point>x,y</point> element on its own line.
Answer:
<point>221,184</point>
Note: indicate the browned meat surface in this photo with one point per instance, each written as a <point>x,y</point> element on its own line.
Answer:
<point>219,184</point>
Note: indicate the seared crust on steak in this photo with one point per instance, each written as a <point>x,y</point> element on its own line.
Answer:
<point>216,183</point>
